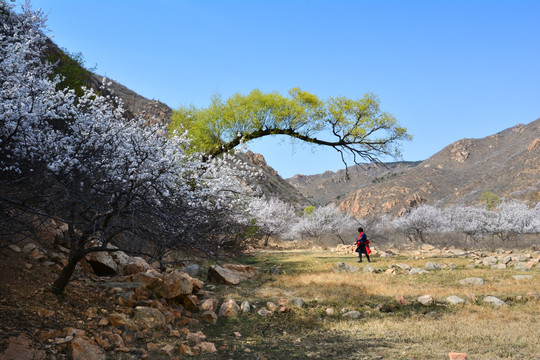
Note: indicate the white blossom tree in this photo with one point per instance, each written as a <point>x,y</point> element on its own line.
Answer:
<point>273,217</point>
<point>327,220</point>
<point>112,180</point>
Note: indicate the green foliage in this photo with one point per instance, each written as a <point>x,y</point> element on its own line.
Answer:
<point>308,210</point>
<point>357,127</point>
<point>490,199</point>
<point>71,66</point>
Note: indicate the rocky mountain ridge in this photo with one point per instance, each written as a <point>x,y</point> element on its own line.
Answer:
<point>507,164</point>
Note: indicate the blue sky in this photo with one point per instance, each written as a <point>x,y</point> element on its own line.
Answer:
<point>446,70</point>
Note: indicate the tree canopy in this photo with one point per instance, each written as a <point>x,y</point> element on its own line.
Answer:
<point>357,128</point>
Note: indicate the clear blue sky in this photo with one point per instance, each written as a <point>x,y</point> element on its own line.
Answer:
<point>447,70</point>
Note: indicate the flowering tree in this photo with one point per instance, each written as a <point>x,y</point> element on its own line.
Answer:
<point>77,160</point>
<point>513,218</point>
<point>327,220</point>
<point>421,221</point>
<point>273,217</point>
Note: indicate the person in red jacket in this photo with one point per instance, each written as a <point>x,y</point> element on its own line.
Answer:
<point>362,245</point>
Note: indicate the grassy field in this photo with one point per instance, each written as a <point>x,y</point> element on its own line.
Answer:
<point>385,329</point>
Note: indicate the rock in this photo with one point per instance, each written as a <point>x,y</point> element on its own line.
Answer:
<point>403,266</point>
<point>329,311</point>
<point>425,300</point>
<point>82,349</point>
<point>102,263</point>
<point>209,316</point>
<point>506,259</point>
<point>342,267</point>
<point>118,320</point>
<point>499,266</point>
<point>457,356</point>
<point>263,312</point>
<point>454,300</point>
<point>417,271</point>
<point>184,349</point>
<point>209,304</point>
<point>430,265</point>
<point>521,266</point>
<point>522,277</point>
<point>15,248</point>
<point>519,258</point>
<point>490,260</point>
<point>352,314</point>
<point>28,248</point>
<point>391,271</point>
<point>195,338</point>
<point>190,302</point>
<point>207,347</point>
<point>274,270</point>
<point>245,307</point>
<point>173,285</point>
<point>401,300</point>
<point>369,269</point>
<point>229,308</point>
<point>193,270</point>
<point>271,306</point>
<point>472,281</point>
<point>232,274</point>
<point>148,279</point>
<point>494,301</point>
<point>152,318</point>
<point>167,350</point>
<point>298,302</point>
<point>21,348</point>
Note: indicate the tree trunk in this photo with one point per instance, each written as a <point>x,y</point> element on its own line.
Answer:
<point>266,240</point>
<point>63,279</point>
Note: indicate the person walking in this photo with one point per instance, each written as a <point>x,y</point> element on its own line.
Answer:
<point>362,245</point>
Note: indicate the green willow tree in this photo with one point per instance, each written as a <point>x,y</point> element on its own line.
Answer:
<point>355,128</point>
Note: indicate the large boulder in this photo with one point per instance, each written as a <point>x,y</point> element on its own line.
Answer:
<point>83,349</point>
<point>22,348</point>
<point>232,274</point>
<point>102,263</point>
<point>173,285</point>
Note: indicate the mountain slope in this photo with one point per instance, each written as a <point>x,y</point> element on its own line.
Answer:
<point>507,163</point>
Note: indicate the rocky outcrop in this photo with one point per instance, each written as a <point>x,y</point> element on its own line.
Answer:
<point>232,274</point>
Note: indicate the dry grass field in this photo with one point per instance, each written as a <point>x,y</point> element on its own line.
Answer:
<point>386,329</point>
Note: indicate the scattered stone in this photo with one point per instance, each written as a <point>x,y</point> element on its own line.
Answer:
<point>245,307</point>
<point>263,312</point>
<point>506,259</point>
<point>237,334</point>
<point>118,320</point>
<point>209,304</point>
<point>193,270</point>
<point>452,265</point>
<point>152,318</point>
<point>490,261</point>
<point>519,258</point>
<point>494,301</point>
<point>417,271</point>
<point>229,308</point>
<point>430,265</point>
<point>167,350</point>
<point>522,277</point>
<point>195,338</point>
<point>271,306</point>
<point>82,349</point>
<point>209,316</point>
<point>425,300</point>
<point>298,302</point>
<point>15,248</point>
<point>207,347</point>
<point>329,311</point>
<point>352,314</point>
<point>184,349</point>
<point>454,300</point>
<point>102,263</point>
<point>521,266</point>
<point>403,266</point>
<point>274,270</point>
<point>401,300</point>
<point>472,281</point>
<point>391,271</point>
<point>369,269</point>
<point>342,267</point>
<point>232,274</point>
<point>173,285</point>
<point>28,248</point>
<point>499,266</point>
<point>190,302</point>
<point>457,356</point>
<point>21,348</point>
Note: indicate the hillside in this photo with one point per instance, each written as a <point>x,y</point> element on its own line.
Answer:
<point>507,163</point>
<point>331,186</point>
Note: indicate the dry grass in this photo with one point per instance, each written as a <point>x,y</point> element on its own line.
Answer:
<point>386,329</point>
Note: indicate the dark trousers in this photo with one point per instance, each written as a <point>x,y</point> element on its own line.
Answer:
<point>362,250</point>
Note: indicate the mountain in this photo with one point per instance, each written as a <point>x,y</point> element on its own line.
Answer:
<point>332,186</point>
<point>507,164</point>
